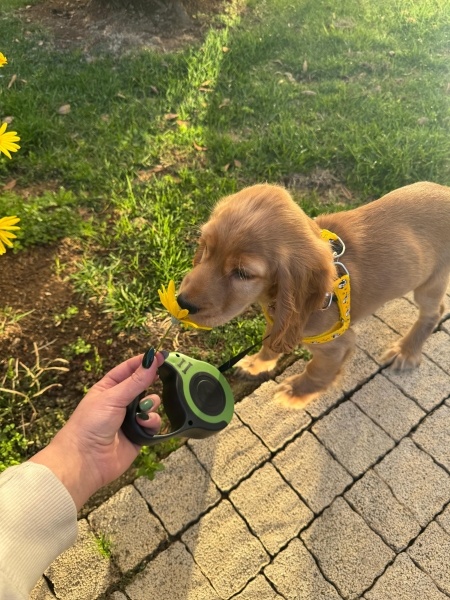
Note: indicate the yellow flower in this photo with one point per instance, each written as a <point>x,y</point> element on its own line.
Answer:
<point>7,224</point>
<point>7,140</point>
<point>3,60</point>
<point>169,301</point>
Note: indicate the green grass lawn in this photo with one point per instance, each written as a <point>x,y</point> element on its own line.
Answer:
<point>280,92</point>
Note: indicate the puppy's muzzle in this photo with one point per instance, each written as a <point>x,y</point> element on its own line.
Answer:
<point>187,305</point>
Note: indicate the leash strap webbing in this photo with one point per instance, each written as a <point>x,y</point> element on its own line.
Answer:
<point>234,359</point>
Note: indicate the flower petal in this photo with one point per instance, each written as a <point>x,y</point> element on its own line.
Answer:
<point>5,240</point>
<point>170,303</point>
<point>7,141</point>
<point>190,323</point>
<point>6,222</point>
<point>5,235</point>
<point>5,151</point>
<point>10,136</point>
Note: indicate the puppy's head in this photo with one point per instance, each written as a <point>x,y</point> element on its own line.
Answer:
<point>259,246</point>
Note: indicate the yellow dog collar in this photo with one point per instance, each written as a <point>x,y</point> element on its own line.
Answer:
<point>341,290</point>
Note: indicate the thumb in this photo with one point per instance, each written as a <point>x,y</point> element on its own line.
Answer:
<point>139,380</point>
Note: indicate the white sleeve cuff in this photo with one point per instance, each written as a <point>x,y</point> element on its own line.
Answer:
<point>38,521</point>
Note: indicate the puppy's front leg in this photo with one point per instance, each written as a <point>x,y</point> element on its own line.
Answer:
<point>261,363</point>
<point>320,373</point>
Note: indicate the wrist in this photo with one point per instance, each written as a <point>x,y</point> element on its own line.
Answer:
<point>68,464</point>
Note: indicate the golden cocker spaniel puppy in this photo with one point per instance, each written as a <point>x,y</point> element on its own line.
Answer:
<point>260,247</point>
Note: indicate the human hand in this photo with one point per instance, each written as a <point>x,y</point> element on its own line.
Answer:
<point>91,450</point>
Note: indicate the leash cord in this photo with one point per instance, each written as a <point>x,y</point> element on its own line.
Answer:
<point>234,359</point>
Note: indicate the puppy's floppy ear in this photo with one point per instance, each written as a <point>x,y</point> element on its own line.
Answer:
<point>301,290</point>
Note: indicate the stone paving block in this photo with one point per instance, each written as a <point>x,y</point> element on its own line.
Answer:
<point>325,401</point>
<point>230,455</point>
<point>445,326</point>
<point>428,384</point>
<point>91,573</point>
<point>117,596</point>
<point>274,424</point>
<point>381,510</point>
<point>172,575</point>
<point>41,591</point>
<point>272,509</point>
<point>258,588</point>
<point>404,581</point>
<point>375,337</point>
<point>358,369</point>
<point>355,440</point>
<point>349,553</point>
<point>433,435</point>
<point>399,314</point>
<point>225,549</point>
<point>312,471</point>
<point>295,574</point>
<point>431,552</point>
<point>415,480</point>
<point>188,486</point>
<point>437,347</point>
<point>386,404</point>
<point>444,519</point>
<point>123,519</point>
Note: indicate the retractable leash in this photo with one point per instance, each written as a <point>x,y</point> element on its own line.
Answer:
<point>197,399</point>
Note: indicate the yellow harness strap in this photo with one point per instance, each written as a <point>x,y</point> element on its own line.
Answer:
<point>341,289</point>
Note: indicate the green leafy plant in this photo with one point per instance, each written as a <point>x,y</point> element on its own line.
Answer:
<point>77,348</point>
<point>148,461</point>
<point>103,543</point>
<point>94,365</point>
<point>13,445</point>
<point>71,311</point>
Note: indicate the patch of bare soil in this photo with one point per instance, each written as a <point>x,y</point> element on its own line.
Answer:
<point>123,25</point>
<point>322,181</point>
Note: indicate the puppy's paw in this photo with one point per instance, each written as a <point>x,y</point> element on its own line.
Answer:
<point>286,396</point>
<point>253,366</point>
<point>400,359</point>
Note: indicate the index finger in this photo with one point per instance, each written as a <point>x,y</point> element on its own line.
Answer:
<point>127,369</point>
<point>126,390</point>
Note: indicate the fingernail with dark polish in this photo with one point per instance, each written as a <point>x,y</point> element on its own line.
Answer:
<point>143,416</point>
<point>149,356</point>
<point>145,405</point>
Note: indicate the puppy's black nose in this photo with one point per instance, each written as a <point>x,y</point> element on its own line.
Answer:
<point>185,304</point>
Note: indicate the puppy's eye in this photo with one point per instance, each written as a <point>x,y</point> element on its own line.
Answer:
<point>241,273</point>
